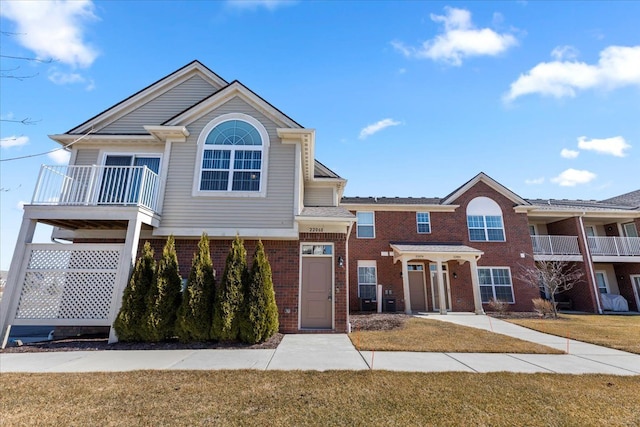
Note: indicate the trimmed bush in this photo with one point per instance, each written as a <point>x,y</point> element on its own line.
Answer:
<point>228,307</point>
<point>260,315</point>
<point>130,322</point>
<point>163,299</point>
<point>542,306</point>
<point>498,306</point>
<point>194,315</point>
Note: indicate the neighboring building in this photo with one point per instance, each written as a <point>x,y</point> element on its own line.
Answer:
<point>481,237</point>
<point>192,153</point>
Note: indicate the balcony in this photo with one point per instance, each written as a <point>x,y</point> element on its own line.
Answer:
<point>549,248</point>
<point>614,248</point>
<point>97,186</point>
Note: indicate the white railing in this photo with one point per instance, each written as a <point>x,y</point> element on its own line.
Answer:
<point>555,245</point>
<point>614,246</point>
<point>97,185</point>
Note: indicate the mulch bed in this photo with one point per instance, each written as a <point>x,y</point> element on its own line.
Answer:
<point>377,321</point>
<point>100,343</point>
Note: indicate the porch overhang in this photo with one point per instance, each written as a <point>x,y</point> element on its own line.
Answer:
<point>442,252</point>
<point>406,252</point>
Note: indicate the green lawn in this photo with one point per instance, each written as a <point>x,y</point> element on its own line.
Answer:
<point>619,332</point>
<point>437,336</point>
<point>182,398</point>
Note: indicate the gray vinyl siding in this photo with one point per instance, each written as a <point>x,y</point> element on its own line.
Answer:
<point>182,210</point>
<point>318,197</point>
<point>163,107</point>
<point>85,157</point>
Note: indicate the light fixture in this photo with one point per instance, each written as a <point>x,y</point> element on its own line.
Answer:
<point>340,262</point>
<point>455,275</point>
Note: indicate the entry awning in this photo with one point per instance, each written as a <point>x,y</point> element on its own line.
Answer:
<point>434,252</point>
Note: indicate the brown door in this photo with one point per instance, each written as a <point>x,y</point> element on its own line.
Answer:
<point>416,288</point>
<point>316,298</point>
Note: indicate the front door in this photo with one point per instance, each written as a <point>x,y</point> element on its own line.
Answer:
<point>316,297</point>
<point>435,289</point>
<point>635,283</point>
<point>417,289</point>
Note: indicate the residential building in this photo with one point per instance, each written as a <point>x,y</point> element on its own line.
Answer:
<point>193,153</point>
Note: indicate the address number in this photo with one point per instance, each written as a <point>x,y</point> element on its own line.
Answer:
<point>316,230</point>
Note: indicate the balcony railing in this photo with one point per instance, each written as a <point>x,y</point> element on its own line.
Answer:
<point>97,185</point>
<point>555,245</point>
<point>614,246</point>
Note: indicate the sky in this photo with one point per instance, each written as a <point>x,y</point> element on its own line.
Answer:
<point>407,98</point>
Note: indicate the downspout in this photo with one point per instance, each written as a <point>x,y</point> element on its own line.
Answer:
<point>346,255</point>
<point>589,262</point>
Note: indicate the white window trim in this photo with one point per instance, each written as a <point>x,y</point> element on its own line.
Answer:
<point>493,285</point>
<point>636,291</point>
<point>482,206</point>
<point>418,223</point>
<point>202,138</point>
<point>626,232</point>
<point>373,216</point>
<point>606,281</point>
<point>363,264</point>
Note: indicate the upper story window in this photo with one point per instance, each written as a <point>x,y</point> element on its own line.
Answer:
<point>424,222</point>
<point>366,225</point>
<point>484,220</point>
<point>232,157</point>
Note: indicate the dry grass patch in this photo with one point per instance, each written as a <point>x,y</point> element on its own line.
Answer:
<point>184,398</point>
<point>619,332</point>
<point>437,336</point>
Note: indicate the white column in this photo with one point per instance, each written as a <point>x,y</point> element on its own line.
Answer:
<point>127,261</point>
<point>12,288</point>
<point>475,285</point>
<point>441,289</point>
<point>405,287</point>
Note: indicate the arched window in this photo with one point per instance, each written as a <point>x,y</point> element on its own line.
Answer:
<point>484,220</point>
<point>233,151</point>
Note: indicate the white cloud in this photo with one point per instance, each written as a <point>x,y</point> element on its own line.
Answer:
<point>614,146</point>
<point>377,127</point>
<point>53,29</point>
<point>534,181</point>
<point>573,177</point>
<point>560,53</point>
<point>63,78</point>
<point>14,141</point>
<point>569,154</point>
<point>618,66</point>
<point>255,4</point>
<point>60,156</point>
<point>460,40</point>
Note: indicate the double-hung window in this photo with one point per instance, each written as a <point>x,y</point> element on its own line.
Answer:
<point>366,228</point>
<point>495,283</point>
<point>367,280</point>
<point>424,222</point>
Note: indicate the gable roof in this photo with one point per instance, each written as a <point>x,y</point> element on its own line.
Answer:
<point>631,199</point>
<point>495,185</point>
<point>235,88</point>
<point>150,92</point>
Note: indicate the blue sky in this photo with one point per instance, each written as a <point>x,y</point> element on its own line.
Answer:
<point>407,98</point>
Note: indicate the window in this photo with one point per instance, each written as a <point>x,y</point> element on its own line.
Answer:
<point>495,282</point>
<point>366,225</point>
<point>424,223</point>
<point>367,280</point>
<point>630,229</point>
<point>601,279</point>
<point>124,180</point>
<point>484,220</point>
<point>232,157</point>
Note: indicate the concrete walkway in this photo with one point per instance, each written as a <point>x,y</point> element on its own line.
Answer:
<point>335,352</point>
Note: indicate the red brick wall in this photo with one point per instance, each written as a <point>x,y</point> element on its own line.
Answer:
<point>447,227</point>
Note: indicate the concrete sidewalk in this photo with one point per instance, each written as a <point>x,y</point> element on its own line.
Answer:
<point>335,352</point>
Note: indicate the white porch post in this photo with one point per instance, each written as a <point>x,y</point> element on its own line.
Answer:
<point>128,259</point>
<point>405,286</point>
<point>442,295</point>
<point>8,306</point>
<point>475,285</point>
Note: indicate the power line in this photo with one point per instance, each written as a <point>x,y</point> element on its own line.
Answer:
<point>50,151</point>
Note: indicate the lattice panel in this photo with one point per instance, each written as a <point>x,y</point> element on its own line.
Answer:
<point>74,283</point>
<point>66,295</point>
<point>57,259</point>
